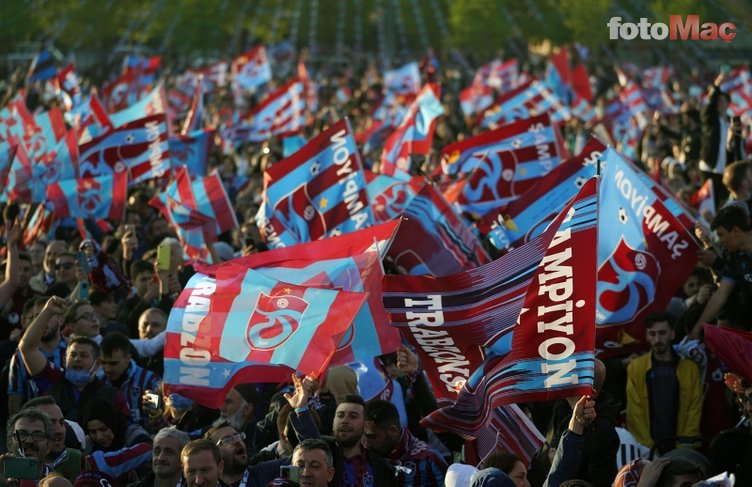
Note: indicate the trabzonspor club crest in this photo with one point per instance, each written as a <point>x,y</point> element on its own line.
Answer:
<point>626,284</point>
<point>274,320</point>
<point>391,202</point>
<point>89,196</point>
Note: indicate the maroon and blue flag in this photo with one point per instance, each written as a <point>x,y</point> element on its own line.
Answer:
<point>414,134</point>
<point>282,112</point>
<point>645,253</point>
<point>317,192</point>
<point>527,100</point>
<point>503,163</point>
<point>390,196</point>
<point>250,71</point>
<point>404,80</point>
<point>433,239</point>
<point>525,218</point>
<point>247,327</point>
<point>191,151</point>
<point>103,197</point>
<point>550,348</point>
<point>139,148</point>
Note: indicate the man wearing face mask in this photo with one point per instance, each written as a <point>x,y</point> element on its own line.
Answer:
<point>77,384</point>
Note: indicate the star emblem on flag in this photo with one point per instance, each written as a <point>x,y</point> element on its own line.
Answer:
<point>323,203</point>
<point>226,373</point>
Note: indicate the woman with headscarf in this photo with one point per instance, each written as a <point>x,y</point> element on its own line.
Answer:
<point>108,430</point>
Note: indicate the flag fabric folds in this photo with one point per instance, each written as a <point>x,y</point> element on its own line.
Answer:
<point>505,166</point>
<point>139,147</point>
<point>282,112</point>
<point>434,239</point>
<point>193,120</point>
<point>527,100</point>
<point>154,103</point>
<point>414,134</point>
<point>250,71</point>
<point>528,216</point>
<point>198,211</point>
<point>212,200</point>
<point>240,327</point>
<point>191,151</point>
<point>644,256</point>
<point>467,155</point>
<point>350,262</point>
<point>317,192</point>
<point>733,347</point>
<point>551,347</point>
<point>502,76</point>
<point>404,80</point>
<point>390,196</point>
<point>103,197</point>
<point>192,331</point>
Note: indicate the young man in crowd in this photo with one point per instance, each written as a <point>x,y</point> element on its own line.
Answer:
<point>418,463</point>
<point>122,372</point>
<point>664,397</point>
<point>77,384</point>
<point>20,387</point>
<point>353,463</point>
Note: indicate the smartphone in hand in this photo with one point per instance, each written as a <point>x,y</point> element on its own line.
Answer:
<point>163,257</point>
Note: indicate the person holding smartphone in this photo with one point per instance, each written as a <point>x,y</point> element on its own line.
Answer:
<point>28,445</point>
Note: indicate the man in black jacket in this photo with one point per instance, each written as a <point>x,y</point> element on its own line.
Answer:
<point>354,465</point>
<point>714,156</point>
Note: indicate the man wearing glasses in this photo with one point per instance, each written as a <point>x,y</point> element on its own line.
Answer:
<point>237,472</point>
<point>65,275</point>
<point>29,436</point>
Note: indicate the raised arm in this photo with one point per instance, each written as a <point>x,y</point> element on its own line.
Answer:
<point>33,358</point>
<point>301,419</point>
<point>148,347</point>
<point>714,305</point>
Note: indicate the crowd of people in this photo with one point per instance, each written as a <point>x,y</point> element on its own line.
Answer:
<point>82,362</point>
